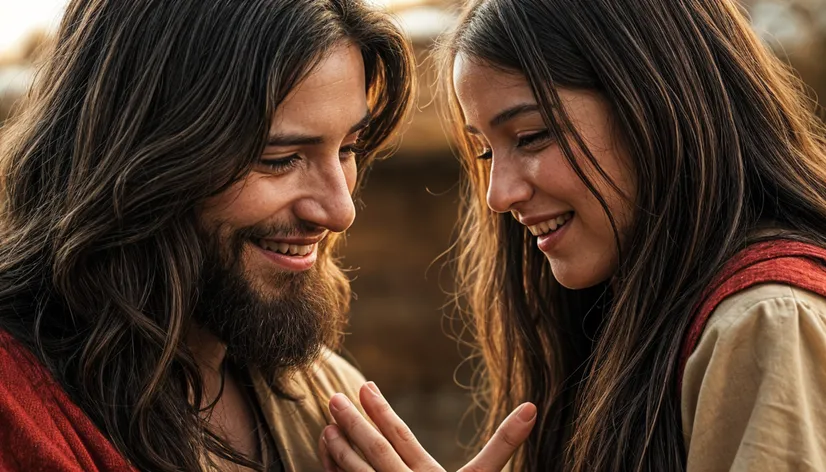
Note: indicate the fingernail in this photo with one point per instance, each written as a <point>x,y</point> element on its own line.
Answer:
<point>527,412</point>
<point>339,402</point>
<point>373,388</point>
<point>330,434</point>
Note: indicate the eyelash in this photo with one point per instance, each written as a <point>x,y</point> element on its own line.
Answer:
<point>285,163</point>
<point>533,139</point>
<point>524,141</point>
<point>281,164</point>
<point>350,150</point>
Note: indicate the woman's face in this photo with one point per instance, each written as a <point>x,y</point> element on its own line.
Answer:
<point>531,178</point>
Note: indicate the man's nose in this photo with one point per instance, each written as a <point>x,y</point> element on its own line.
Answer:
<point>329,201</point>
<point>507,186</point>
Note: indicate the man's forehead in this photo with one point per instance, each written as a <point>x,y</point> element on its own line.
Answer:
<point>333,95</point>
<point>340,69</point>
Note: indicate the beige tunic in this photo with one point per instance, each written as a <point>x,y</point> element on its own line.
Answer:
<point>297,426</point>
<point>754,390</point>
<point>753,398</point>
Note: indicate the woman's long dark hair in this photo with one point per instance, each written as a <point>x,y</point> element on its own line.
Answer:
<point>722,141</point>
<point>142,110</point>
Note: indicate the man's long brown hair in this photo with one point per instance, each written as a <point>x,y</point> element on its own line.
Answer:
<point>723,143</point>
<point>144,109</point>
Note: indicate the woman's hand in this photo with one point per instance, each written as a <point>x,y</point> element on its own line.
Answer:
<point>393,448</point>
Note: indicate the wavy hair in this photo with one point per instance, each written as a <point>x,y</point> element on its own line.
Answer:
<point>722,141</point>
<point>141,111</point>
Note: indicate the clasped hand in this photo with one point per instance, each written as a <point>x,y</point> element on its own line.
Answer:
<point>390,446</point>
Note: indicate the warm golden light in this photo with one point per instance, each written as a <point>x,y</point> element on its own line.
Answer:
<point>19,18</point>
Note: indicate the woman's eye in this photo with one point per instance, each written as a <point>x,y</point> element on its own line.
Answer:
<point>479,146</point>
<point>281,164</point>
<point>535,140</point>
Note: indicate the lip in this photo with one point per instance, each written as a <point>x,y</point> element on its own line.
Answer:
<point>532,220</point>
<point>297,241</point>
<point>290,263</point>
<point>547,242</point>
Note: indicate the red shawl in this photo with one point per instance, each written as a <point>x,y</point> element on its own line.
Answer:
<point>41,429</point>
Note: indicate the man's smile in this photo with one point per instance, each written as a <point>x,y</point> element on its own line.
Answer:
<point>292,254</point>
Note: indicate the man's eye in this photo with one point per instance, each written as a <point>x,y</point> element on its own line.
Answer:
<point>281,164</point>
<point>347,152</point>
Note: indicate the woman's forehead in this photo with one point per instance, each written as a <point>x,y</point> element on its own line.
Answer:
<point>484,91</point>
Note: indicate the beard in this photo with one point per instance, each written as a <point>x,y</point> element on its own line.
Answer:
<point>275,322</point>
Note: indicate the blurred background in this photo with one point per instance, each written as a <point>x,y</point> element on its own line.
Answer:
<point>399,334</point>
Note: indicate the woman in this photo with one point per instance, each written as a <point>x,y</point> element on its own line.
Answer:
<point>641,249</point>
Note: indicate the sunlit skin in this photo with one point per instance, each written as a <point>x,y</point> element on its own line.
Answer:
<point>302,186</point>
<point>531,178</point>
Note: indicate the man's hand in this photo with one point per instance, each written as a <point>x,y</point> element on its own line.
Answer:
<point>394,448</point>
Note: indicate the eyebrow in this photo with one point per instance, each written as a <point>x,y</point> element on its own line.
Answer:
<point>507,115</point>
<point>283,140</point>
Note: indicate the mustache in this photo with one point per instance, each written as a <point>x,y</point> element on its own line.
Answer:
<point>279,230</point>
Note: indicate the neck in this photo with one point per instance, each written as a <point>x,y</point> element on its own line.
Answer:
<point>232,415</point>
<point>209,353</point>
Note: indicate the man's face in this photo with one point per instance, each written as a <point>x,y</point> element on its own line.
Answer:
<point>262,281</point>
<point>301,188</point>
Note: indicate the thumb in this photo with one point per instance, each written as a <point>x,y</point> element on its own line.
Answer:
<point>507,438</point>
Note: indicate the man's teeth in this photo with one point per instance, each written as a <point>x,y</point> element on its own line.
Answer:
<point>551,225</point>
<point>288,249</point>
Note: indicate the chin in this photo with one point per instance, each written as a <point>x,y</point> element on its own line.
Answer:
<point>578,277</point>
<point>573,283</point>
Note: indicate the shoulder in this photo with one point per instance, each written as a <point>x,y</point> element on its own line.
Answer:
<point>751,340</point>
<point>755,381</point>
<point>42,428</point>
<point>20,371</point>
<point>762,318</point>
<point>27,407</point>
<point>28,391</point>
<point>768,309</point>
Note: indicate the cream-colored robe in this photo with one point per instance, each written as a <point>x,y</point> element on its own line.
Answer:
<point>296,426</point>
<point>754,390</point>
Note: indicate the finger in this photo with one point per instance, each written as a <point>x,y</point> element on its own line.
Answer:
<point>507,438</point>
<point>375,448</point>
<point>341,453</point>
<point>395,430</point>
<point>324,455</point>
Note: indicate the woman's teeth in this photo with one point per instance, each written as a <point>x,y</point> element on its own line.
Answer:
<point>287,249</point>
<point>551,225</point>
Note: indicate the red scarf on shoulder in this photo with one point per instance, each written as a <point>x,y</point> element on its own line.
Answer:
<point>41,429</point>
<point>781,261</point>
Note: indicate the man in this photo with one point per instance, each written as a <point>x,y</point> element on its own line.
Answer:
<point>172,194</point>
